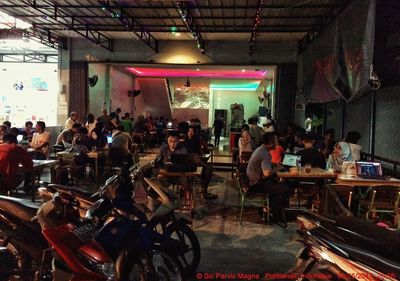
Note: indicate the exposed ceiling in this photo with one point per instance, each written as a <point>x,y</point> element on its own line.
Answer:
<point>200,20</point>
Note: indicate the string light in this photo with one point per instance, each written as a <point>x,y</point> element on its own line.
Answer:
<point>257,20</point>
<point>188,20</point>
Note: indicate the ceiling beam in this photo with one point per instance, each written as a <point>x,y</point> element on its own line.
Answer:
<point>268,29</point>
<point>162,7</point>
<point>131,24</point>
<point>47,38</point>
<point>324,23</point>
<point>263,17</point>
<point>190,24</point>
<point>181,28</point>
<point>55,14</point>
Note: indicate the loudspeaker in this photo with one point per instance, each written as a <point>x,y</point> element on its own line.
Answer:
<point>133,93</point>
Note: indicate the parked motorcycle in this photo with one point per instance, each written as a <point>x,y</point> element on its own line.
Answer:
<point>161,210</point>
<point>26,255</point>
<point>346,248</point>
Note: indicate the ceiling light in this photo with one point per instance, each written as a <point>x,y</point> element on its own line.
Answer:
<point>177,34</point>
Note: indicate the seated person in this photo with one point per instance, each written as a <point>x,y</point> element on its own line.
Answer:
<point>298,141</point>
<point>245,144</point>
<point>82,141</point>
<point>28,131</point>
<point>121,146</point>
<point>3,131</point>
<point>192,141</point>
<point>277,153</point>
<point>352,138</point>
<point>341,153</point>
<point>11,155</point>
<point>261,178</point>
<point>97,137</point>
<point>173,146</point>
<point>66,137</point>
<point>41,141</point>
<point>311,155</point>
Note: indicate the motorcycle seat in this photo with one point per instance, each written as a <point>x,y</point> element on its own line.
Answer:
<point>366,242</point>
<point>22,208</point>
<point>79,192</point>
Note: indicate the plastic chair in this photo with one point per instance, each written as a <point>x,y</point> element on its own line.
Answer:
<point>382,199</point>
<point>251,198</point>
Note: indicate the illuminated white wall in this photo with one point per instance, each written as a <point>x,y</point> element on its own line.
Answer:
<point>222,99</point>
<point>36,100</point>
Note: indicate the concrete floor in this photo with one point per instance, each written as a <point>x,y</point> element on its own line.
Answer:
<point>228,249</point>
<point>254,248</point>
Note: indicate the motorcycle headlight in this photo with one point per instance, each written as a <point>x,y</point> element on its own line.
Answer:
<point>108,269</point>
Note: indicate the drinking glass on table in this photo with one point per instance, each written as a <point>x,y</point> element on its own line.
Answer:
<point>307,167</point>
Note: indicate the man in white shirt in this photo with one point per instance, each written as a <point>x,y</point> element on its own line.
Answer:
<point>41,140</point>
<point>71,120</point>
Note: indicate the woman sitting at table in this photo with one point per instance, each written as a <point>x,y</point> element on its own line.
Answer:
<point>246,144</point>
<point>341,153</point>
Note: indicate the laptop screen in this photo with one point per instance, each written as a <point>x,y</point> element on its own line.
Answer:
<point>368,168</point>
<point>290,160</point>
<point>109,139</point>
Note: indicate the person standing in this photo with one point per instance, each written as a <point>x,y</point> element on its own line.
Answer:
<point>126,122</point>
<point>71,120</point>
<point>218,126</point>
<point>105,119</point>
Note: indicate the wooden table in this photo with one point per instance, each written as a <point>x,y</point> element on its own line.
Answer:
<point>93,155</point>
<point>190,176</point>
<point>314,175</point>
<point>38,166</point>
<point>356,181</point>
<point>96,155</point>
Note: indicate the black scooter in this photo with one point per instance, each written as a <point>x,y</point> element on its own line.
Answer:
<point>346,248</point>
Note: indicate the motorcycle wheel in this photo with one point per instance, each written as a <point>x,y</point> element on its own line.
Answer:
<point>15,260</point>
<point>158,266</point>
<point>190,259</point>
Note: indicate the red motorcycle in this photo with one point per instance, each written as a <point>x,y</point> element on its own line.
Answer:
<point>24,244</point>
<point>73,253</point>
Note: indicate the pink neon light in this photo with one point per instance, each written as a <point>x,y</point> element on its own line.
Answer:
<point>206,73</point>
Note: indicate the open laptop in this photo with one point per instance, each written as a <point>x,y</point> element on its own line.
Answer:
<point>109,140</point>
<point>181,163</point>
<point>290,160</point>
<point>369,170</point>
